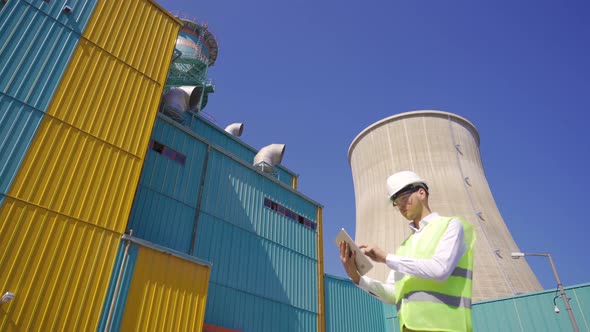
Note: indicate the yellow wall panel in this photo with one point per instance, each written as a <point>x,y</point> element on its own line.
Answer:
<point>105,97</point>
<point>139,32</point>
<point>58,269</point>
<point>167,293</point>
<point>75,174</point>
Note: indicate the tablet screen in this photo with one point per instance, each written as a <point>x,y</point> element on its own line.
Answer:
<point>363,263</point>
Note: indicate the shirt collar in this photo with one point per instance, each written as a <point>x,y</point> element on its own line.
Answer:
<point>428,219</point>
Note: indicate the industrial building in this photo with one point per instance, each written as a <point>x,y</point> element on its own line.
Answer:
<point>128,209</point>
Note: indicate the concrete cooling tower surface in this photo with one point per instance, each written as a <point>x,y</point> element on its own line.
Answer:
<point>443,148</point>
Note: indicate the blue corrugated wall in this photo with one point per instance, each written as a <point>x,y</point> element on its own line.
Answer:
<point>233,308</point>
<point>263,261</point>
<point>534,312</point>
<point>348,308</point>
<point>37,41</point>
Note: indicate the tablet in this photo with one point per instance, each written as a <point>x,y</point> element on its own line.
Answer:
<point>363,263</point>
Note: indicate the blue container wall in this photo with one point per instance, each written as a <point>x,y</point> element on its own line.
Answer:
<point>267,259</point>
<point>167,176</point>
<point>249,263</point>
<point>238,310</point>
<point>18,124</point>
<point>160,219</point>
<point>235,194</point>
<point>168,192</point>
<point>234,146</point>
<point>280,269</point>
<point>165,203</point>
<point>533,312</point>
<point>76,20</point>
<point>35,48</point>
<point>348,308</point>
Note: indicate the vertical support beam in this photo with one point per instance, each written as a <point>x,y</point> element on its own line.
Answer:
<point>201,189</point>
<point>320,255</point>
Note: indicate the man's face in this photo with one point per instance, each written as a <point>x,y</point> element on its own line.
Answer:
<point>409,204</point>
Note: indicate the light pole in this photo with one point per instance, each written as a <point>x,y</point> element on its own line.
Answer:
<point>517,255</point>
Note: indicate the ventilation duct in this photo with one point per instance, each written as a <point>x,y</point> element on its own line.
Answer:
<point>268,157</point>
<point>177,101</point>
<point>235,129</point>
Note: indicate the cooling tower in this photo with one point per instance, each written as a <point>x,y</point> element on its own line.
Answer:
<point>442,148</point>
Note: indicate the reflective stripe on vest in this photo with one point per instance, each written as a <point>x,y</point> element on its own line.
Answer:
<point>434,297</point>
<point>463,273</point>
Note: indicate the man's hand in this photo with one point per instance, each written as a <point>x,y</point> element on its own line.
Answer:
<point>373,252</point>
<point>347,257</point>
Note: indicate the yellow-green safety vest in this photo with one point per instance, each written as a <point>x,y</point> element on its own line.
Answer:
<point>428,305</point>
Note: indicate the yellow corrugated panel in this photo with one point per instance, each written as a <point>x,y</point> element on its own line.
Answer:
<point>78,175</point>
<point>105,97</point>
<point>167,293</point>
<point>137,31</point>
<point>58,269</point>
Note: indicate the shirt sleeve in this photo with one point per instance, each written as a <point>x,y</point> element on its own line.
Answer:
<point>384,291</point>
<point>449,251</point>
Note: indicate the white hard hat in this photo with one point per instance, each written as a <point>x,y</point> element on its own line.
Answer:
<point>400,180</point>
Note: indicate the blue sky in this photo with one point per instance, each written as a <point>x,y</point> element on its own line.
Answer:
<point>314,74</point>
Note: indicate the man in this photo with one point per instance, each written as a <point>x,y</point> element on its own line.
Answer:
<point>431,277</point>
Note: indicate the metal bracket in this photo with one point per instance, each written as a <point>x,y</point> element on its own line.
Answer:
<point>8,296</point>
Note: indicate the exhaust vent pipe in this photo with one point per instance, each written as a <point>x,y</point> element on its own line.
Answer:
<point>194,93</point>
<point>177,101</point>
<point>235,129</point>
<point>268,157</point>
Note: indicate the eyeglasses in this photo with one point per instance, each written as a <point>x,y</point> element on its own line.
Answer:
<point>403,197</point>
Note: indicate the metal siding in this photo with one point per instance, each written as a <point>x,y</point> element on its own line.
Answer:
<point>581,309</point>
<point>18,123</point>
<point>235,193</point>
<point>283,176</point>
<point>138,32</point>
<point>76,20</point>
<point>166,293</point>
<point>162,220</point>
<point>533,312</point>
<point>77,175</point>
<point>106,98</point>
<point>35,50</point>
<point>348,308</point>
<point>234,309</point>
<point>269,271</point>
<point>58,268</point>
<point>217,136</point>
<point>167,176</point>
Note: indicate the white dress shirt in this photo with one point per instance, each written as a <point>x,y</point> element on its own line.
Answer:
<point>449,251</point>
